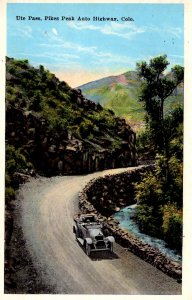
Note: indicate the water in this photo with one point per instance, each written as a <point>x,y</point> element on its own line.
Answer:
<point>125,218</point>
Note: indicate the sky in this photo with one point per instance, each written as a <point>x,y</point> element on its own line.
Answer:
<point>80,51</point>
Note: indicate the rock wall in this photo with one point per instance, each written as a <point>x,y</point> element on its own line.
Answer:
<point>60,152</point>
<point>108,194</point>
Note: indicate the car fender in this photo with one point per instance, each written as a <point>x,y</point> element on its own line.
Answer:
<point>111,239</point>
<point>88,241</point>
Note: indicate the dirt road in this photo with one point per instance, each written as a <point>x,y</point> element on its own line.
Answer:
<point>46,213</point>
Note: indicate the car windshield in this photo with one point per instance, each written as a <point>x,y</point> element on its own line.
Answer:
<point>89,219</point>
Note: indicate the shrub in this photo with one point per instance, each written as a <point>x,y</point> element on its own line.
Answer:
<point>15,160</point>
<point>9,194</point>
<point>149,190</point>
<point>159,198</point>
<point>172,226</point>
<point>149,220</point>
<point>85,128</point>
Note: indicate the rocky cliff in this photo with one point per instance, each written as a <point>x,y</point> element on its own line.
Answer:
<point>57,129</point>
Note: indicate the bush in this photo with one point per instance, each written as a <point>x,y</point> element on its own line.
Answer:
<point>174,233</point>
<point>9,194</point>
<point>36,102</point>
<point>159,198</point>
<point>149,190</point>
<point>172,226</point>
<point>86,127</point>
<point>149,220</point>
<point>145,147</point>
<point>15,160</point>
<point>173,190</point>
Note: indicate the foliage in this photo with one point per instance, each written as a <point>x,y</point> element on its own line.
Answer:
<point>63,111</point>
<point>38,91</point>
<point>149,190</point>
<point>174,184</point>
<point>150,219</point>
<point>156,88</point>
<point>16,161</point>
<point>159,198</point>
<point>86,128</point>
<point>173,124</point>
<point>172,225</point>
<point>159,193</point>
<point>145,146</point>
<point>9,194</point>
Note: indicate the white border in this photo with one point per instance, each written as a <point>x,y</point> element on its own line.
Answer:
<point>187,261</point>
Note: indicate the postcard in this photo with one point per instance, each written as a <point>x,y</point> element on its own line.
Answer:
<point>93,178</point>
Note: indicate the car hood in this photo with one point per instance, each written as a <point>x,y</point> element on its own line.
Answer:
<point>94,232</point>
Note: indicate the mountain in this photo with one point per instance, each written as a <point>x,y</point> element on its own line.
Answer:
<point>54,129</point>
<point>120,94</point>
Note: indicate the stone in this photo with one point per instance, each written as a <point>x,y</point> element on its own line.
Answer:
<point>146,252</point>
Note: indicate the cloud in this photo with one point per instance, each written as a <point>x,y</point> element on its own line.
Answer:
<point>177,56</point>
<point>96,56</point>
<point>69,45</point>
<point>174,31</point>
<point>124,30</point>
<point>107,59</point>
<point>52,58</point>
<point>24,31</point>
<point>54,31</point>
<point>57,42</point>
<point>27,31</point>
<point>82,26</point>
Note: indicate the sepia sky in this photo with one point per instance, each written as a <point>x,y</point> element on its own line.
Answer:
<point>82,51</point>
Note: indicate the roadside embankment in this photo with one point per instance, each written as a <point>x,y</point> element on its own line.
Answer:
<point>106,195</point>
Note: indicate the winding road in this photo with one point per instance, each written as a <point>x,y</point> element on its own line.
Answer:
<point>46,209</point>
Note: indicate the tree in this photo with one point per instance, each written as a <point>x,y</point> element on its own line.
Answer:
<point>156,88</point>
<point>159,209</point>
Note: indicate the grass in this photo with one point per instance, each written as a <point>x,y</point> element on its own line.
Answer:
<point>123,100</point>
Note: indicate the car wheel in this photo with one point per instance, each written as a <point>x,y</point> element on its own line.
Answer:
<point>74,229</point>
<point>87,249</point>
<point>77,233</point>
<point>111,247</point>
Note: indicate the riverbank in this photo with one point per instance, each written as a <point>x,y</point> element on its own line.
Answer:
<point>127,221</point>
<point>98,191</point>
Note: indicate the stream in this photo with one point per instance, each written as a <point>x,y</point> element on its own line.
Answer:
<point>126,221</point>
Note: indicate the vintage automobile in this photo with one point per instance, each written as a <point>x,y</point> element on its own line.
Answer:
<point>92,234</point>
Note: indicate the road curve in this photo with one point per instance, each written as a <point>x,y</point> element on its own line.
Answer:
<point>47,206</point>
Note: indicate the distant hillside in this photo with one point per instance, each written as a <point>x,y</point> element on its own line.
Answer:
<point>120,94</point>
